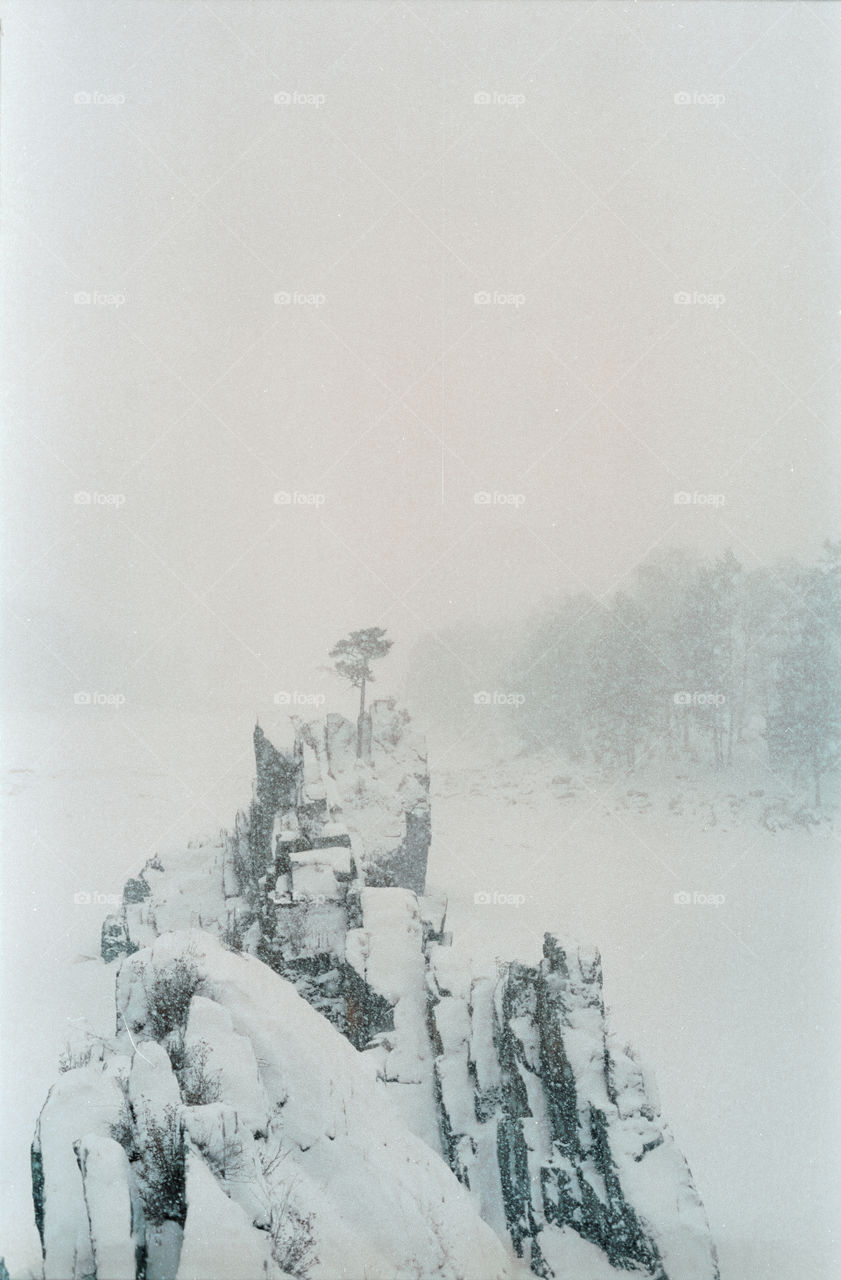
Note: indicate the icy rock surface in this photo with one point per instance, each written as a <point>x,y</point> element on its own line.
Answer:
<point>304,1073</point>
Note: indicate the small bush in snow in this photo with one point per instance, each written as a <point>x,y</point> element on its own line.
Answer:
<point>293,1242</point>
<point>232,938</point>
<point>198,1085</point>
<point>124,1130</point>
<point>230,1161</point>
<point>241,871</point>
<point>170,992</point>
<point>272,1157</point>
<point>162,1181</point>
<point>72,1057</point>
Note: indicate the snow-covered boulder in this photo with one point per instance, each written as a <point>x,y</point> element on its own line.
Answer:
<point>219,1238</point>
<point>106,1181</point>
<point>81,1107</point>
<point>227,1061</point>
<point>395,1199</point>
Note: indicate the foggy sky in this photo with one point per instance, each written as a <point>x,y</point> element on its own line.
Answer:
<point>380,188</point>
<point>624,154</point>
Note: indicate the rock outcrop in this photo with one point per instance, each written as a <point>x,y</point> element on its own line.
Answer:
<point>279,985</point>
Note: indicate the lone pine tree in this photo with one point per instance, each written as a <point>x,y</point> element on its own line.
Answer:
<point>352,658</point>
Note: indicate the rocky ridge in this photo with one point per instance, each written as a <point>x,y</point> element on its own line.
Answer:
<point>538,1129</point>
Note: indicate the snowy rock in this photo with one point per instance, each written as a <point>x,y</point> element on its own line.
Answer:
<point>219,1239</point>
<point>152,1086</point>
<point>232,1155</point>
<point>105,1175</point>
<point>83,1103</point>
<point>162,1250</point>
<point>393,1196</point>
<point>115,938</point>
<point>230,1057</point>
<point>327,1038</point>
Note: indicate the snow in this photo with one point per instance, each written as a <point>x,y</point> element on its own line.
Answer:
<point>433,912</point>
<point>230,1059</point>
<point>571,1256</point>
<point>337,857</point>
<point>451,974</point>
<point>391,1194</point>
<point>219,1239</point>
<point>732,1031</point>
<point>105,1172</point>
<point>313,880</point>
<point>387,952</point>
<point>82,1104</point>
<point>376,794</point>
<point>232,1154</point>
<point>394,964</point>
<point>482,1049</point>
<point>152,1085</point>
<point>163,1247</point>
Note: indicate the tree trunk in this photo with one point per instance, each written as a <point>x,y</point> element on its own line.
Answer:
<point>359,721</point>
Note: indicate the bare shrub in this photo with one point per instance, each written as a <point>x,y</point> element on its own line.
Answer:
<point>292,1238</point>
<point>198,1085</point>
<point>162,1181</point>
<point>73,1056</point>
<point>170,992</point>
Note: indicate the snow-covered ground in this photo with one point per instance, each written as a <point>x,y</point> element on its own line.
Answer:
<point>731,997</point>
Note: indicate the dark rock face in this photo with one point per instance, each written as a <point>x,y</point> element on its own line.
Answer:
<point>558,1104</point>
<point>277,782</point>
<point>115,937</point>
<point>405,868</point>
<point>136,890</point>
<point>37,1165</point>
<point>368,1014</point>
<point>579,1127</point>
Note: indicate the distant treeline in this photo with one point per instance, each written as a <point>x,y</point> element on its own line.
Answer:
<point>696,658</point>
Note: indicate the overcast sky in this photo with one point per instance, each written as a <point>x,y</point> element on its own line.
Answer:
<point>287,286</point>
<point>284,301</point>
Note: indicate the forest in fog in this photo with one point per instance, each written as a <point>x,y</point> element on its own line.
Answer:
<point>707,660</point>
